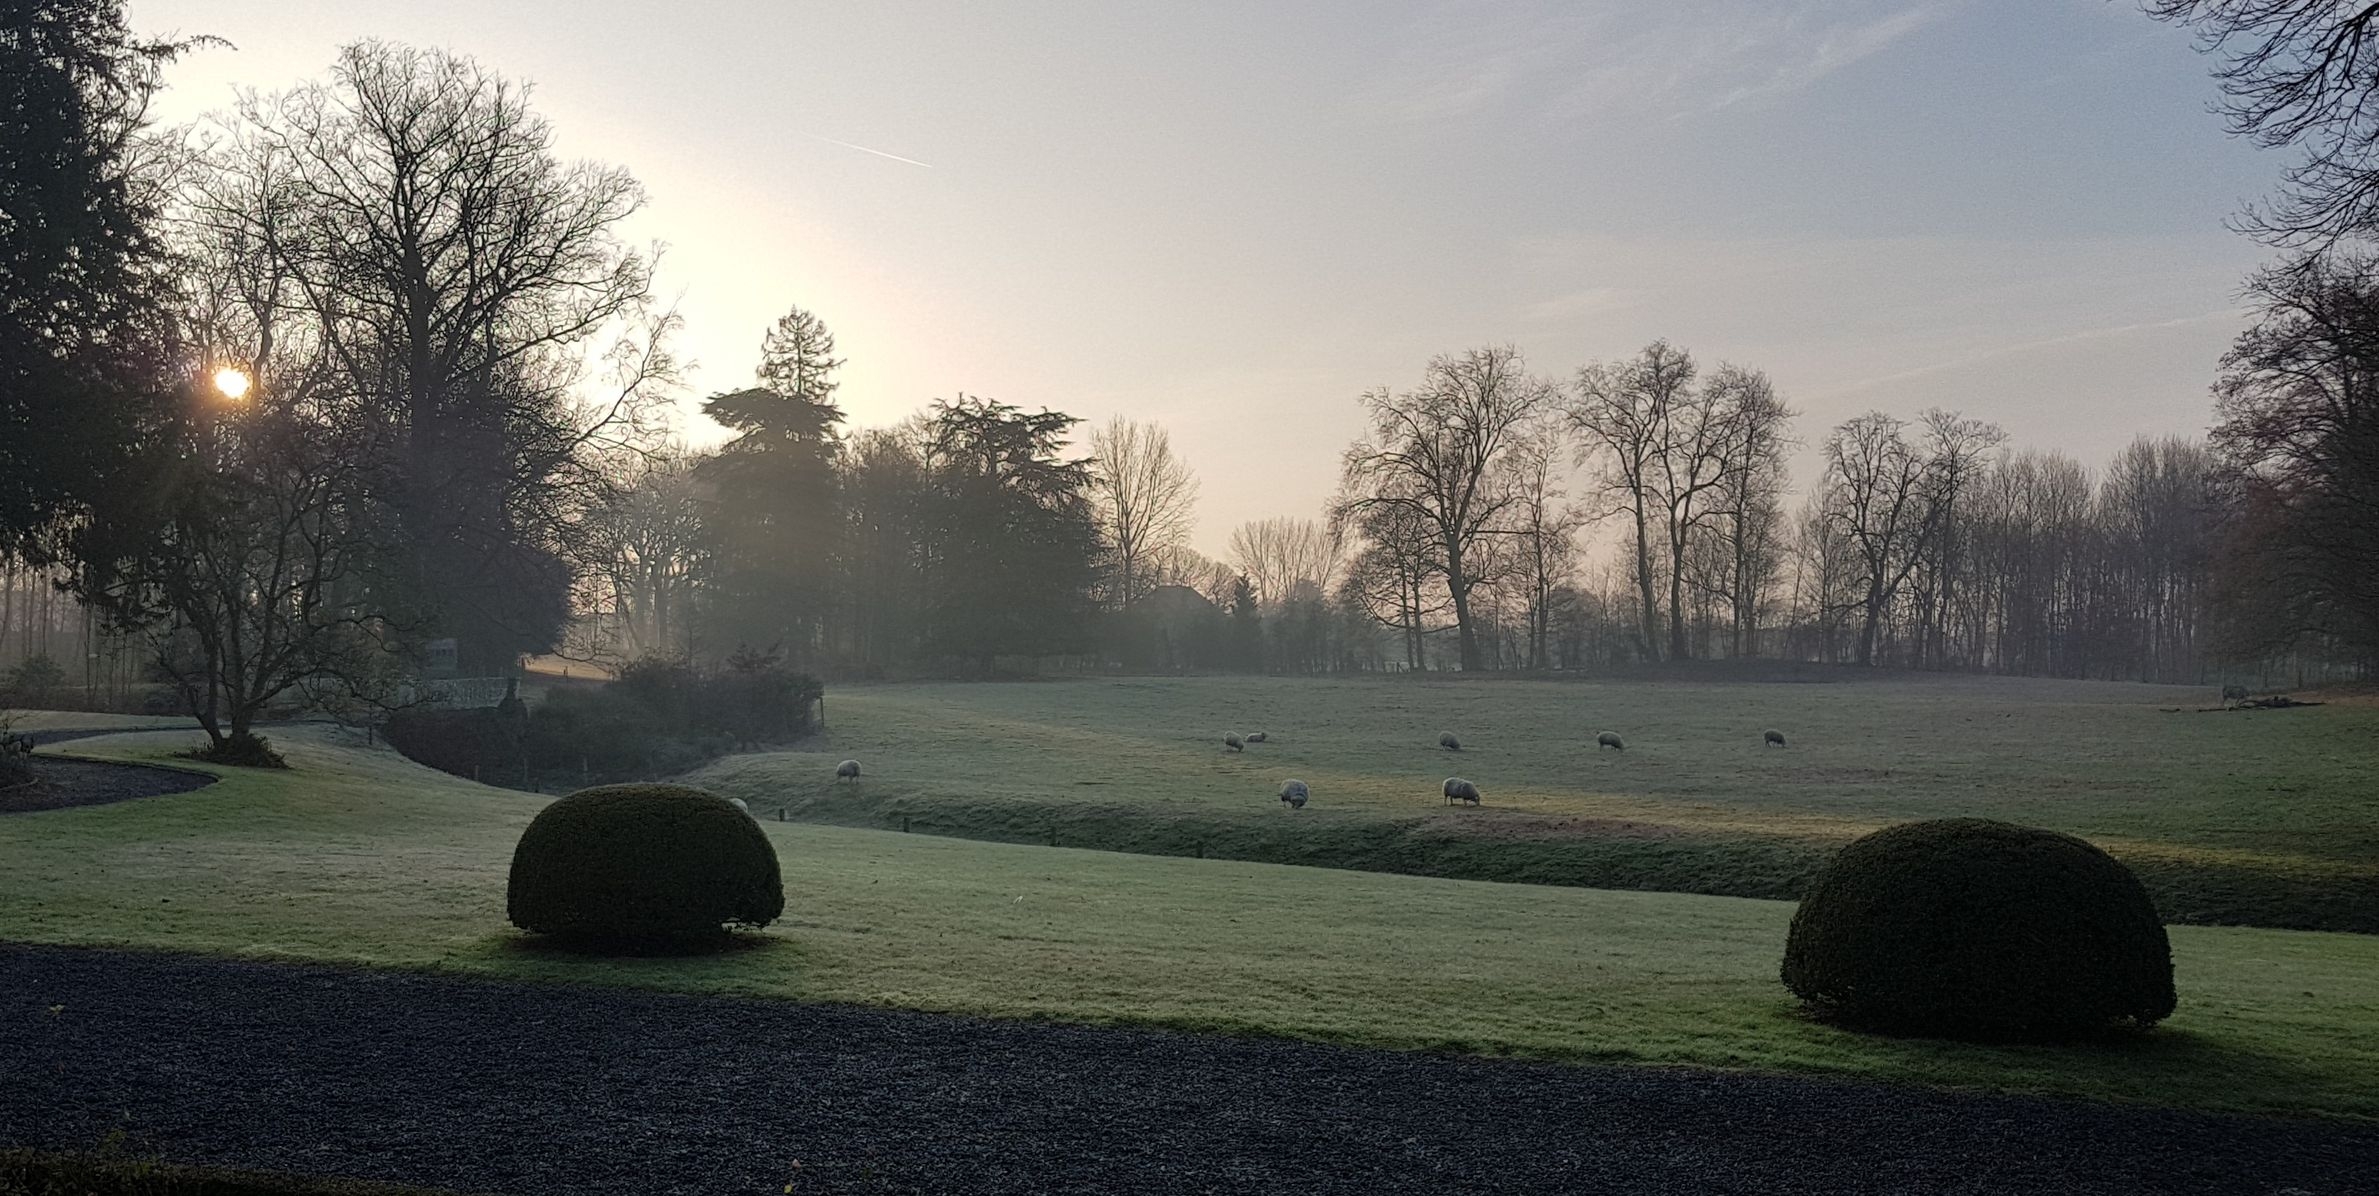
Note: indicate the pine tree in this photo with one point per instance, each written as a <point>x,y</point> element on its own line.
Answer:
<point>773,514</point>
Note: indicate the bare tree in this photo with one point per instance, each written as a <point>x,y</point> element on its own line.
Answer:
<point>1875,486</point>
<point>1441,455</point>
<point>1397,576</point>
<point>1544,541</point>
<point>1184,566</point>
<point>645,545</point>
<point>2299,73</point>
<point>252,580</point>
<point>458,272</point>
<point>1953,448</point>
<point>1623,411</point>
<point>2299,437</point>
<point>1146,498</point>
<point>1745,517</point>
<point>1283,557</point>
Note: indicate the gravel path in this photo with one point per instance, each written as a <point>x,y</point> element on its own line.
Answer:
<point>60,783</point>
<point>560,1088</point>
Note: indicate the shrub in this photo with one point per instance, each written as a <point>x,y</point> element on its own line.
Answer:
<point>643,862</point>
<point>1973,928</point>
<point>15,751</point>
<point>756,700</point>
<point>34,681</point>
<point>241,750</point>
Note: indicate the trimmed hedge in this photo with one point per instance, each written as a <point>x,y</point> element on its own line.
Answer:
<point>643,862</point>
<point>1974,928</point>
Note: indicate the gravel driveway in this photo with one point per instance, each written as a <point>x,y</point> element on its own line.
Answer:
<point>563,1088</point>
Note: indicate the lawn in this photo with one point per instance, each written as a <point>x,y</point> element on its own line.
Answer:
<point>2259,818</point>
<point>357,856</point>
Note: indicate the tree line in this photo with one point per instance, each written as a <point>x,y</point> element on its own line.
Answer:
<point>365,366</point>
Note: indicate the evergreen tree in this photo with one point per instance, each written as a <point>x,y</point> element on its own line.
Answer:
<point>86,363</point>
<point>772,516</point>
<point>1011,543</point>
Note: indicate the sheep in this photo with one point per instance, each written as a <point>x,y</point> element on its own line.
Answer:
<point>1232,743</point>
<point>1772,737</point>
<point>1293,795</point>
<point>740,804</point>
<point>1608,739</point>
<point>1257,737</point>
<point>1458,789</point>
<point>848,770</point>
<point>1449,743</point>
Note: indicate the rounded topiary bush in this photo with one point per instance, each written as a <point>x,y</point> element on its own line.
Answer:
<point>1974,928</point>
<point>643,862</point>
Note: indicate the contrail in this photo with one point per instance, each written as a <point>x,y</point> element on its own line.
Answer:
<point>877,152</point>
<point>2024,347</point>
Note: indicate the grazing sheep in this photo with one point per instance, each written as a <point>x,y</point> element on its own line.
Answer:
<point>1293,793</point>
<point>2234,693</point>
<point>848,770</point>
<point>1608,739</point>
<point>1772,737</point>
<point>1257,737</point>
<point>1232,743</point>
<point>1449,743</point>
<point>1458,789</point>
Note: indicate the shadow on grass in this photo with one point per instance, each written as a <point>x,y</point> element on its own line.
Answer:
<point>620,947</point>
<point>2164,1065</point>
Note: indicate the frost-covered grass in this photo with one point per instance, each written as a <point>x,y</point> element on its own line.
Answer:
<point>356,856</point>
<point>2261,818</point>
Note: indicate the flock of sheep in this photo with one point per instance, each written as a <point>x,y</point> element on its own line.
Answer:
<point>1295,793</point>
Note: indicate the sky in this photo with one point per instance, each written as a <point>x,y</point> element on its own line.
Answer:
<point>1235,218</point>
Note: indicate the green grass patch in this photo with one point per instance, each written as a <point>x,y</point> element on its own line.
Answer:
<point>355,856</point>
<point>2253,818</point>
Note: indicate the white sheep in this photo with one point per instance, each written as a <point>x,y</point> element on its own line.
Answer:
<point>1257,737</point>
<point>1458,789</point>
<point>1232,743</point>
<point>1449,743</point>
<point>1772,737</point>
<point>740,804</point>
<point>848,770</point>
<point>1293,794</point>
<point>1608,739</point>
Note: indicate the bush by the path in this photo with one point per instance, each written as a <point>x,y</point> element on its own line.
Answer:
<point>661,718</point>
<point>637,863</point>
<point>1970,927</point>
<point>15,750</point>
<point>243,750</point>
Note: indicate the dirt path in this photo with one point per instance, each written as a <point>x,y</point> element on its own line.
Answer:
<point>561,1088</point>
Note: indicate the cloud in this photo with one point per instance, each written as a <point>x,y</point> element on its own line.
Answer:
<point>1457,59</point>
<point>1577,305</point>
<point>1837,47</point>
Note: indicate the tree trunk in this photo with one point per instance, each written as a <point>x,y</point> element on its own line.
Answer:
<point>1649,632</point>
<point>1679,648</point>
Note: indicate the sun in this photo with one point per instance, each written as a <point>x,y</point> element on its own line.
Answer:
<point>233,384</point>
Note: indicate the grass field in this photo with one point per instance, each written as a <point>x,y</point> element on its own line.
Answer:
<point>357,856</point>
<point>2261,818</point>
